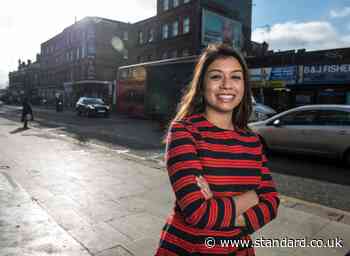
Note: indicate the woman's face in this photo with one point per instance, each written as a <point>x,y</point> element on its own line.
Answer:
<point>223,85</point>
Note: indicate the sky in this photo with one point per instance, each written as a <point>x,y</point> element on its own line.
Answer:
<point>312,24</point>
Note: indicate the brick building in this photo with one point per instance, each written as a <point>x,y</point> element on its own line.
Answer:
<point>25,80</point>
<point>184,27</point>
<point>82,60</point>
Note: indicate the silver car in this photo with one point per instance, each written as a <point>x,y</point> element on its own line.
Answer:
<point>314,129</point>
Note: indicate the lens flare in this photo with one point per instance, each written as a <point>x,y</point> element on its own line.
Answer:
<point>117,44</point>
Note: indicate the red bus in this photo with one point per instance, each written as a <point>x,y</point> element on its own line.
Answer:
<point>152,89</point>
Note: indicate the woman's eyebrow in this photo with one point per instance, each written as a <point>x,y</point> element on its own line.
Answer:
<point>219,70</point>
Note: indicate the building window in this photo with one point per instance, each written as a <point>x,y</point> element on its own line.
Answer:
<point>140,37</point>
<point>91,48</point>
<point>186,25</point>
<point>175,3</point>
<point>165,5</point>
<point>78,53</point>
<point>151,35</point>
<point>125,35</point>
<point>175,28</point>
<point>165,31</point>
<point>83,51</point>
<point>125,54</point>
<point>186,1</point>
<point>185,52</point>
<point>90,32</point>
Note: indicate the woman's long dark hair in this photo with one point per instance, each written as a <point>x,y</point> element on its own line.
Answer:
<point>193,101</point>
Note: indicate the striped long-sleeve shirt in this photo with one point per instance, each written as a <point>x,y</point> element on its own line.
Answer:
<point>232,162</point>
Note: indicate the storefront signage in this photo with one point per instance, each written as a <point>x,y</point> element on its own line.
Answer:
<point>326,74</point>
<point>273,77</point>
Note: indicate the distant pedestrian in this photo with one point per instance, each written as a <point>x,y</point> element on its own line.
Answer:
<point>27,113</point>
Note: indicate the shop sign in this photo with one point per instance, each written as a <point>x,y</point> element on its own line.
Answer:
<point>326,74</point>
<point>273,77</point>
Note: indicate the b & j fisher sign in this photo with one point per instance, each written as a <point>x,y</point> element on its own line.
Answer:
<point>326,74</point>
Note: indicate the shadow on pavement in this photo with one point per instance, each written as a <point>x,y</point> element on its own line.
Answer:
<point>115,131</point>
<point>18,130</point>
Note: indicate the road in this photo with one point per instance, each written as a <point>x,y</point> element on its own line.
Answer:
<point>311,179</point>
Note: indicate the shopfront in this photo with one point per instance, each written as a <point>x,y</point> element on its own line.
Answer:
<point>322,84</point>
<point>270,86</point>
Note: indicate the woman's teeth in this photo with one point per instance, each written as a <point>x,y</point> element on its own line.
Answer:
<point>225,97</point>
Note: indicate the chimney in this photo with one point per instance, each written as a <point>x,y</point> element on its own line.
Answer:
<point>19,63</point>
<point>29,62</point>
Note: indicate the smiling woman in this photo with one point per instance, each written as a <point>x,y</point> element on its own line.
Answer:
<point>216,166</point>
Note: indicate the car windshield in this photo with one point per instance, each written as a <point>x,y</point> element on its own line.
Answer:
<point>93,101</point>
<point>264,107</point>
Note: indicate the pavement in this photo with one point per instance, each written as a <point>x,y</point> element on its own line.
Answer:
<point>81,208</point>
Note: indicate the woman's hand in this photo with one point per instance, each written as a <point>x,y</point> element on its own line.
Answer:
<point>245,201</point>
<point>203,184</point>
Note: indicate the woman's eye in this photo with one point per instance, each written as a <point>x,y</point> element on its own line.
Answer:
<point>215,77</point>
<point>236,77</point>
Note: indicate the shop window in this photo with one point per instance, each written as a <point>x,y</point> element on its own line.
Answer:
<point>175,3</point>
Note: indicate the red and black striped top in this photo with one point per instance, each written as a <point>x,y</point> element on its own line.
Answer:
<point>232,162</point>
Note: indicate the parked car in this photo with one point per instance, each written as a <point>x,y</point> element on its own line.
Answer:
<point>91,107</point>
<point>314,129</point>
<point>261,112</point>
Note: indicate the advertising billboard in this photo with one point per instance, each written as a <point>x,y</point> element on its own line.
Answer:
<point>217,29</point>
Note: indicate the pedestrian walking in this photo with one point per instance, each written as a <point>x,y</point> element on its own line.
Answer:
<point>27,113</point>
<point>217,169</point>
